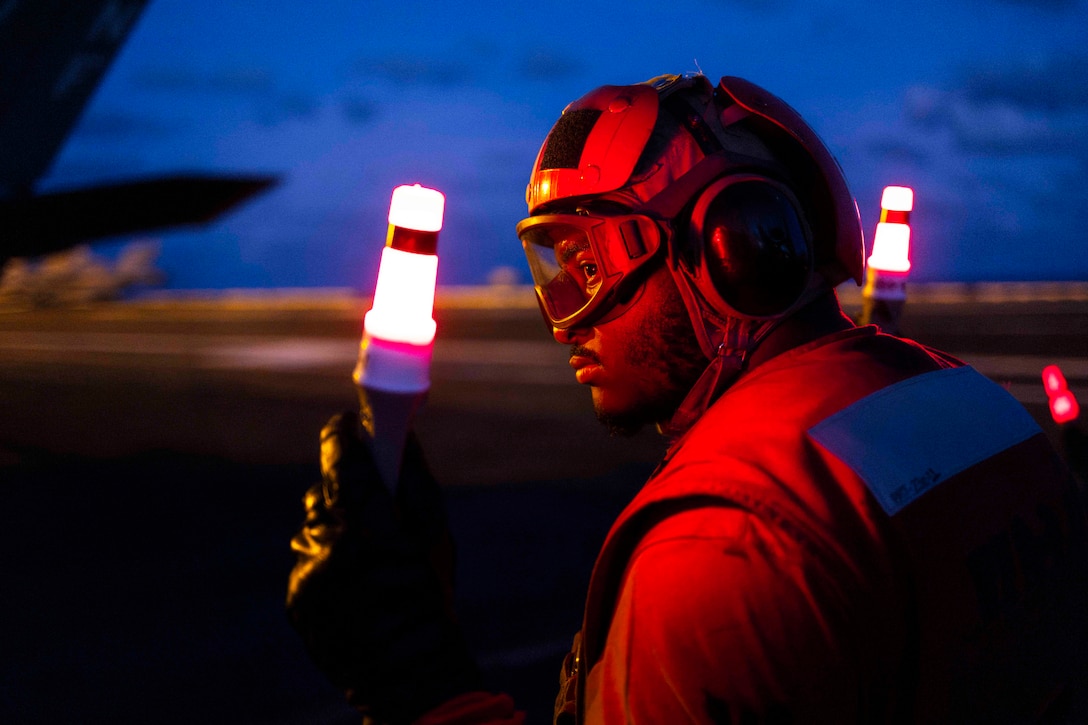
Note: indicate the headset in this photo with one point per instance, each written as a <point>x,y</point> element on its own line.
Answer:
<point>747,245</point>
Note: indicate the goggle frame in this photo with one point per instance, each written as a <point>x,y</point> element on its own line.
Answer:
<point>620,244</point>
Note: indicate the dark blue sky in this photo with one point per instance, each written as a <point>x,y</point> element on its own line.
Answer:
<point>981,105</point>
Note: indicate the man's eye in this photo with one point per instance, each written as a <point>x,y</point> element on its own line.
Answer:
<point>589,271</point>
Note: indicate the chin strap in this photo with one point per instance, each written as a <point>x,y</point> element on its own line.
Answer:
<point>718,376</point>
<point>739,339</point>
<point>727,364</point>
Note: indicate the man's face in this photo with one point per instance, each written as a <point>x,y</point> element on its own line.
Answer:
<point>641,363</point>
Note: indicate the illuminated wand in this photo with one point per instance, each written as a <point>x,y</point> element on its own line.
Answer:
<point>888,266</point>
<point>393,372</point>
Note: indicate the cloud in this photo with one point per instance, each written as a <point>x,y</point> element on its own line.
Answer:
<point>896,151</point>
<point>544,65</point>
<point>414,70</point>
<point>755,6</point>
<point>226,81</point>
<point>114,125</point>
<point>247,85</point>
<point>1050,5</point>
<point>1055,84</point>
<point>358,110</point>
<point>996,159</point>
<point>1028,109</point>
<point>80,168</point>
<point>298,105</point>
<point>286,107</point>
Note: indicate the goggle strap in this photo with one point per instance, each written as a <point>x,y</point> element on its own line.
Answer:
<point>693,122</point>
<point>633,240</point>
<point>671,200</point>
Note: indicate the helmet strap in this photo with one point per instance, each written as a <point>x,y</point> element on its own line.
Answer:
<point>737,339</point>
<point>719,375</point>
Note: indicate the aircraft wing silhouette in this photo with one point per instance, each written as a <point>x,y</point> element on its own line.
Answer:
<point>53,55</point>
<point>48,223</point>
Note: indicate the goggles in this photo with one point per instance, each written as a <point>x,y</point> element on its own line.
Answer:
<point>579,261</point>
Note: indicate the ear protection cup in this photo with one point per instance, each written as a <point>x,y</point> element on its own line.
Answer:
<point>753,244</point>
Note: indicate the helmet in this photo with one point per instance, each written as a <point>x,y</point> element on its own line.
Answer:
<point>727,184</point>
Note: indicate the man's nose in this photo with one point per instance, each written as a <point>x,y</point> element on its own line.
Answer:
<point>570,335</point>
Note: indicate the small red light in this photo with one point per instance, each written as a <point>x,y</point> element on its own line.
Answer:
<point>1053,380</point>
<point>1064,407</point>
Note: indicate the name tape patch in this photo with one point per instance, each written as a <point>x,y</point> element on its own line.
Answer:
<point>911,436</point>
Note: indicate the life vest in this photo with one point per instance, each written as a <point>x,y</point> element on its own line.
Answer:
<point>886,459</point>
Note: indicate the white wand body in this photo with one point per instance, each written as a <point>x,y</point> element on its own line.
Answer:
<point>393,371</point>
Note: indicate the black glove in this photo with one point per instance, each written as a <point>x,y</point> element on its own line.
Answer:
<point>371,593</point>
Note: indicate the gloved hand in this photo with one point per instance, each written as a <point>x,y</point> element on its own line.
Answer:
<point>371,593</point>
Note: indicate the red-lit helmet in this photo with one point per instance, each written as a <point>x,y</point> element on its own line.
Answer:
<point>728,185</point>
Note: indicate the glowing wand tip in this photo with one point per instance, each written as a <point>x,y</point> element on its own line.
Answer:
<point>897,198</point>
<point>417,207</point>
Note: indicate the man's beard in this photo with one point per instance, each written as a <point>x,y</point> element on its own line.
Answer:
<point>666,345</point>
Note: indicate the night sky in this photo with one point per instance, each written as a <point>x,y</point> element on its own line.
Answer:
<point>981,105</point>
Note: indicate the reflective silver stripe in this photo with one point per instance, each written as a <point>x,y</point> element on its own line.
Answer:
<point>907,438</point>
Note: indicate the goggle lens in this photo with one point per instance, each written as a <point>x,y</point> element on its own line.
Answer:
<point>577,261</point>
